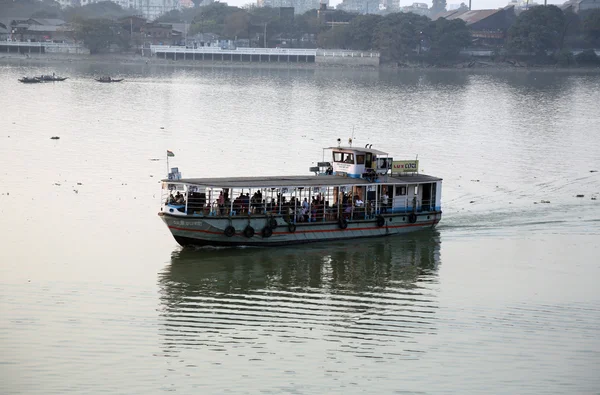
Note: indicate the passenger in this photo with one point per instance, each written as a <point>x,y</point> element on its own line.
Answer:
<point>171,199</point>
<point>384,202</point>
<point>358,202</point>
<point>221,203</point>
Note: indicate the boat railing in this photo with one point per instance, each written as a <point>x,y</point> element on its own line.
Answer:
<point>199,204</point>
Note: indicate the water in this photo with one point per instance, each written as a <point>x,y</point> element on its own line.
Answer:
<point>96,296</point>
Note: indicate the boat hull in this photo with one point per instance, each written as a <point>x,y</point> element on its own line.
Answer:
<point>210,231</point>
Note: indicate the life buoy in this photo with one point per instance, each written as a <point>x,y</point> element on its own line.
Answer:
<point>412,218</point>
<point>267,232</point>
<point>229,231</point>
<point>380,221</point>
<point>342,223</point>
<point>273,223</point>
<point>249,231</point>
<point>292,227</point>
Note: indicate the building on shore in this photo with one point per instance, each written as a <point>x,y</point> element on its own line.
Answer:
<point>416,8</point>
<point>362,6</point>
<point>488,27</point>
<point>578,6</point>
<point>299,6</point>
<point>36,30</point>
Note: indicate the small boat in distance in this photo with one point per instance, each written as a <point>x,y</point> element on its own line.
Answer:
<point>51,78</point>
<point>108,79</point>
<point>30,80</point>
<point>360,192</point>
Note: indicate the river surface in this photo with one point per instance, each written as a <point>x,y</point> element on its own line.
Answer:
<point>96,296</point>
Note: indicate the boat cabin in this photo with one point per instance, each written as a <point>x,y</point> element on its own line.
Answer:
<point>355,162</point>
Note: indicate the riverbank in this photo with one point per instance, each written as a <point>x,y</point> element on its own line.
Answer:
<point>133,59</point>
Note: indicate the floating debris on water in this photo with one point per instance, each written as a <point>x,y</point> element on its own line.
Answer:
<point>579,196</point>
<point>54,138</point>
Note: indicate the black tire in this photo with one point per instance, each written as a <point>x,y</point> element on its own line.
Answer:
<point>342,223</point>
<point>273,223</point>
<point>249,231</point>
<point>229,231</point>
<point>412,218</point>
<point>267,232</point>
<point>380,221</point>
<point>292,227</point>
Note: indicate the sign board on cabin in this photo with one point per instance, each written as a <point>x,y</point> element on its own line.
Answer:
<point>405,166</point>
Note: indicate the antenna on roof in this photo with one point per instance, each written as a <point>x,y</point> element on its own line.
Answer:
<point>350,142</point>
<point>339,142</point>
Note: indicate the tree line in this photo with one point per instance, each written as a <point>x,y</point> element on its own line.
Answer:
<point>397,36</point>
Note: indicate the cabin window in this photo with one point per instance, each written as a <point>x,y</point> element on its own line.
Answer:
<point>349,158</point>
<point>400,190</point>
<point>360,159</point>
<point>337,156</point>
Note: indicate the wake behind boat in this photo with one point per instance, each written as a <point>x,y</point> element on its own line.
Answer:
<point>361,193</point>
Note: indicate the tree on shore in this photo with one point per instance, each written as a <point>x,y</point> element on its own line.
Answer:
<point>398,35</point>
<point>591,26</point>
<point>361,32</point>
<point>538,30</point>
<point>99,34</point>
<point>448,37</point>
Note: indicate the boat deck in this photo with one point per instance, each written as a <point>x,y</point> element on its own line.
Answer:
<point>300,181</point>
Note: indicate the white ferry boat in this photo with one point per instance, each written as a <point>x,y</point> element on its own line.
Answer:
<point>361,192</point>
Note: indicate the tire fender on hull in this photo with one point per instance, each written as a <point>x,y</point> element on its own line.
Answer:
<point>412,218</point>
<point>229,231</point>
<point>249,231</point>
<point>267,232</point>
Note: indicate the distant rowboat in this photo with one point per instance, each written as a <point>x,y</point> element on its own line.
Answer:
<point>108,79</point>
<point>30,80</point>
<point>51,78</point>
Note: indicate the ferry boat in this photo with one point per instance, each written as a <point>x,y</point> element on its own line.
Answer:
<point>360,192</point>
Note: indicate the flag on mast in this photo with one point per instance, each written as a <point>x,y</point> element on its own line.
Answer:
<point>170,153</point>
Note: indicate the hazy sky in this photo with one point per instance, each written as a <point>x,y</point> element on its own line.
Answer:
<point>475,4</point>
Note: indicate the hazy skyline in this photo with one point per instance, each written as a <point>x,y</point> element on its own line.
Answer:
<point>475,4</point>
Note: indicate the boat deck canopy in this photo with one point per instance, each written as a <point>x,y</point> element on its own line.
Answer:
<point>360,149</point>
<point>300,181</point>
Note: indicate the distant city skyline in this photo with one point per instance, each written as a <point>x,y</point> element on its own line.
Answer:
<point>475,4</point>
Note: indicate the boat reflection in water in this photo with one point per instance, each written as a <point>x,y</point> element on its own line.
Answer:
<point>370,298</point>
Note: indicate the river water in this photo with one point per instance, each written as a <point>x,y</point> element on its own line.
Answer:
<point>96,296</point>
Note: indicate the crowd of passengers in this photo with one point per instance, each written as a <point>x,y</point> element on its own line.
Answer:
<point>318,208</point>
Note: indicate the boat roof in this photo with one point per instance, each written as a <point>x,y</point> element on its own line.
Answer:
<point>301,181</point>
<point>361,149</point>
